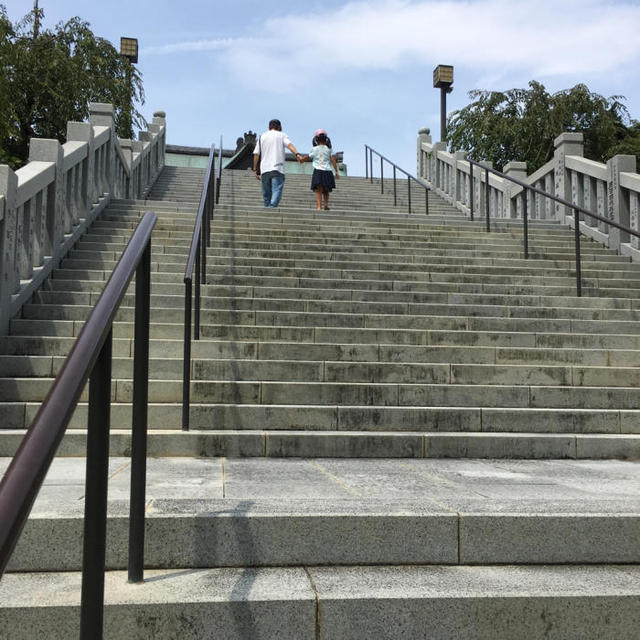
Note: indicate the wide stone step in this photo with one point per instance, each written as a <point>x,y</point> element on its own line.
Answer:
<point>377,279</point>
<point>373,420</point>
<point>247,264</point>
<point>355,444</point>
<point>20,352</point>
<point>348,372</point>
<point>471,390</point>
<point>589,602</point>
<point>54,287</point>
<point>76,306</point>
<point>337,512</point>
<point>317,321</point>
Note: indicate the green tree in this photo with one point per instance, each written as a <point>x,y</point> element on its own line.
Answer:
<point>48,77</point>
<point>630,144</point>
<point>521,124</point>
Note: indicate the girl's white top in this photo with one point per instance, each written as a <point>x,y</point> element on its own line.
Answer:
<point>321,156</point>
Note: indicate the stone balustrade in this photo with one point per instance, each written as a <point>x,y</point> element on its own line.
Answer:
<point>49,203</point>
<point>610,190</point>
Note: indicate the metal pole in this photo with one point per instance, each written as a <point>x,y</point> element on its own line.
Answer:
<point>371,164</point>
<point>525,223</point>
<point>409,192</point>
<point>218,178</point>
<point>186,360</point>
<point>426,202</point>
<point>366,161</point>
<point>139,418</point>
<point>212,192</point>
<point>486,197</point>
<point>196,315</point>
<point>203,243</point>
<point>471,190</point>
<point>576,233</point>
<point>381,176</point>
<point>95,499</point>
<point>443,113</point>
<point>395,201</point>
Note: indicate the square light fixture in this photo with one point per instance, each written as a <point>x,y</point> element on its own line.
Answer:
<point>443,76</point>
<point>129,49</point>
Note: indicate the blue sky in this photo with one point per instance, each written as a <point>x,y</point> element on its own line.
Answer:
<point>360,70</point>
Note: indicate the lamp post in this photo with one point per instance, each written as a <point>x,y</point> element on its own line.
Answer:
<point>129,50</point>
<point>443,80</point>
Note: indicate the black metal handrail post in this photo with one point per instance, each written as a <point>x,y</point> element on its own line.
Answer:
<point>90,357</point>
<point>576,235</point>
<point>219,176</point>
<point>395,200</point>
<point>486,197</point>
<point>525,224</point>
<point>366,162</point>
<point>197,261</point>
<point>426,202</point>
<point>196,315</point>
<point>381,175</point>
<point>95,498</point>
<point>371,164</point>
<point>472,191</point>
<point>186,356</point>
<point>139,419</point>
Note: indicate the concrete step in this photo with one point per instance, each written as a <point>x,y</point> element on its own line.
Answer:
<point>355,444</point>
<point>341,512</point>
<point>350,603</point>
<point>74,306</point>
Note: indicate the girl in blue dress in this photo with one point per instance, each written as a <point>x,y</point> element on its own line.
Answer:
<point>322,180</point>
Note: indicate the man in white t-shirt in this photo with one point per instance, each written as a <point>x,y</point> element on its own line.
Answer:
<point>270,152</point>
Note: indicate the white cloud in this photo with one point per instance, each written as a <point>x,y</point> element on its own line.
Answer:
<point>197,45</point>
<point>492,37</point>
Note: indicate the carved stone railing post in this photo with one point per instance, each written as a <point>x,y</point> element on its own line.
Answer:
<point>457,179</point>
<point>566,144</point>
<point>145,171</point>
<point>126,146</point>
<point>512,206</point>
<point>101,115</point>
<point>617,204</point>
<point>8,214</point>
<point>160,120</point>
<point>83,132</point>
<point>52,226</point>
<point>424,135</point>
<point>439,175</point>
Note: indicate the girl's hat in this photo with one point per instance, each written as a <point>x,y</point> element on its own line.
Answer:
<point>319,131</point>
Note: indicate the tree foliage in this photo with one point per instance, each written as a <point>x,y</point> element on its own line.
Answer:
<point>48,77</point>
<point>521,124</point>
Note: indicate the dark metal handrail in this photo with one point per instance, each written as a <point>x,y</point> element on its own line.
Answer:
<point>90,358</point>
<point>368,162</point>
<point>219,176</point>
<point>197,262</point>
<point>577,210</point>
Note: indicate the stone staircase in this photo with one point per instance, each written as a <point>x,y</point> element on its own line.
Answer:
<point>396,366</point>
